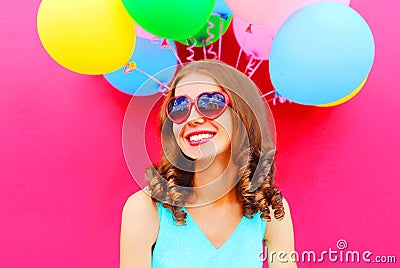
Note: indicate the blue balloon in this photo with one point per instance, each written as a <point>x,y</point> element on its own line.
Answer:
<point>220,7</point>
<point>149,58</point>
<point>321,54</point>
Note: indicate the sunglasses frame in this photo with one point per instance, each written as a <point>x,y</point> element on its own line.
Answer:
<point>194,102</point>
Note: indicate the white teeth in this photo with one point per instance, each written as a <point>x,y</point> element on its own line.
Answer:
<point>199,137</point>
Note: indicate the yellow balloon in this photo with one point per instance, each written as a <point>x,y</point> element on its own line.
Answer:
<point>87,36</point>
<point>348,97</point>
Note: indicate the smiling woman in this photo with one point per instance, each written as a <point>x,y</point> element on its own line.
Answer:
<point>208,129</point>
<point>212,200</point>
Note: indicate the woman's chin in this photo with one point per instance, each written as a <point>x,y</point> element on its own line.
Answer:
<point>206,152</point>
<point>199,156</point>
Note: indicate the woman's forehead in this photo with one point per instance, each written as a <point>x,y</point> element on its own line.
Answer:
<point>196,83</point>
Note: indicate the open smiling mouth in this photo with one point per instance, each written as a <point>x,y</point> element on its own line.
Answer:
<point>199,137</point>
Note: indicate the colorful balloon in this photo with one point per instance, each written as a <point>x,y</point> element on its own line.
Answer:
<point>212,26</point>
<point>348,97</point>
<point>140,32</point>
<point>173,19</point>
<point>269,11</point>
<point>221,8</point>
<point>88,37</point>
<point>321,54</point>
<point>149,60</point>
<point>255,40</point>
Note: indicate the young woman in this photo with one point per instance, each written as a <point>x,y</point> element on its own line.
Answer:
<point>212,200</point>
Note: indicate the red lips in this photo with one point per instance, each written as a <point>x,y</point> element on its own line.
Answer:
<point>199,136</point>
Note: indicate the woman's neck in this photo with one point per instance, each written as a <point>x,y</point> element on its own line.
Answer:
<point>214,184</point>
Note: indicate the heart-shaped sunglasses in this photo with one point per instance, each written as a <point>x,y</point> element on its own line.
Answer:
<point>208,104</point>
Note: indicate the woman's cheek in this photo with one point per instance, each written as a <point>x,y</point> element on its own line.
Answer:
<point>176,129</point>
<point>226,123</point>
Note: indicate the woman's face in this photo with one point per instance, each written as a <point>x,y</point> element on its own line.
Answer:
<point>199,137</point>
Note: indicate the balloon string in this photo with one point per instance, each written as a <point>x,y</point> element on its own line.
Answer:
<point>280,98</point>
<point>250,64</point>
<point>221,26</point>
<point>272,91</point>
<point>209,38</point>
<point>210,51</point>
<point>190,49</point>
<point>240,53</point>
<point>131,66</point>
<point>163,88</point>
<point>248,30</point>
<point>160,41</point>
<point>154,40</point>
<point>273,101</point>
<point>204,49</point>
<point>174,51</point>
<point>220,37</point>
<point>255,68</point>
<point>258,65</point>
<point>209,33</point>
<point>148,75</point>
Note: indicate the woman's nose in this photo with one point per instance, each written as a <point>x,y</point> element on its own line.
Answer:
<point>195,117</point>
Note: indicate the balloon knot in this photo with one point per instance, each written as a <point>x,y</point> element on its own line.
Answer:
<point>249,30</point>
<point>221,15</point>
<point>129,67</point>
<point>164,44</point>
<point>281,99</point>
<point>132,65</point>
<point>224,16</point>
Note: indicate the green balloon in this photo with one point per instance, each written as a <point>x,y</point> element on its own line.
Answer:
<point>215,31</point>
<point>170,19</point>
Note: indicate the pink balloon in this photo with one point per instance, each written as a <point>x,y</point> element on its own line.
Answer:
<point>256,43</point>
<point>143,33</point>
<point>295,5</point>
<point>253,11</point>
<point>269,11</point>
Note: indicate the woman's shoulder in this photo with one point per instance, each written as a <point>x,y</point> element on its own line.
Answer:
<point>139,223</point>
<point>140,210</point>
<point>141,202</point>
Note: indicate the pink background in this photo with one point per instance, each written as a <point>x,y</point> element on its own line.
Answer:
<point>64,179</point>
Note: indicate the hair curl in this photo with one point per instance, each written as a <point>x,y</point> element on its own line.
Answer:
<point>256,187</point>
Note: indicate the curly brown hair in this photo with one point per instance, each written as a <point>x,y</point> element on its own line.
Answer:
<point>171,181</point>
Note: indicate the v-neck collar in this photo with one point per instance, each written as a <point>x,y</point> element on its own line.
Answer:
<point>206,238</point>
